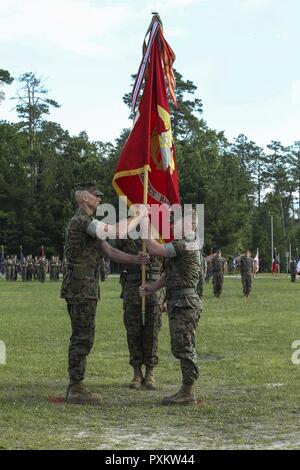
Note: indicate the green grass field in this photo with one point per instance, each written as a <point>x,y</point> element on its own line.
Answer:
<point>249,384</point>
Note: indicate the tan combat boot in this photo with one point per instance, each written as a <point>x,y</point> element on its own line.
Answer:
<point>137,378</point>
<point>78,394</point>
<point>184,396</point>
<point>149,381</point>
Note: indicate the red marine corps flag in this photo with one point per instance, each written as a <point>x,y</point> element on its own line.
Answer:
<point>147,165</point>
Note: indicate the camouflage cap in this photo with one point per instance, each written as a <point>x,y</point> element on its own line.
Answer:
<point>90,186</point>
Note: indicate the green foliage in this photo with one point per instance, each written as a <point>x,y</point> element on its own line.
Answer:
<point>239,183</point>
<point>6,77</point>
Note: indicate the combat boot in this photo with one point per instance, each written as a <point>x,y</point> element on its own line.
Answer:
<point>149,381</point>
<point>137,378</point>
<point>78,394</point>
<point>184,396</point>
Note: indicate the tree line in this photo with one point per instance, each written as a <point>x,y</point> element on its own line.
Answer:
<point>239,183</point>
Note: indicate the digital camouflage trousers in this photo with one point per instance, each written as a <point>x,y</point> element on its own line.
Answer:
<point>183,323</point>
<point>247,282</point>
<point>142,340</point>
<point>82,317</point>
<point>218,279</point>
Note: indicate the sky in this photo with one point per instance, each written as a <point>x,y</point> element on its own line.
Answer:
<point>241,54</point>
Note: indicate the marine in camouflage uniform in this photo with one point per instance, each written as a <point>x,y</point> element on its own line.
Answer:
<point>218,264</point>
<point>184,308</point>
<point>24,269</point>
<point>80,286</point>
<point>7,267</point>
<point>30,268</point>
<point>293,270</point>
<point>42,269</point>
<point>52,263</point>
<point>142,340</point>
<point>14,268</point>
<point>247,265</point>
<point>36,267</point>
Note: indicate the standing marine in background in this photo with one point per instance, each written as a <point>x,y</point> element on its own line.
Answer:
<point>52,263</point>
<point>42,269</point>
<point>29,268</point>
<point>24,269</point>
<point>247,266</point>
<point>8,268</point>
<point>219,266</point>
<point>14,268</point>
<point>36,267</point>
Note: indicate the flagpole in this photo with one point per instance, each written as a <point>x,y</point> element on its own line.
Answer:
<point>145,201</point>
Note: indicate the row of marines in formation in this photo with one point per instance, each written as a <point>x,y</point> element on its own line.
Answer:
<point>32,268</point>
<point>174,274</point>
<point>37,268</point>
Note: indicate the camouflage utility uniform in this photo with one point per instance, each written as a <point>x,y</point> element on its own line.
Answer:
<point>36,268</point>
<point>183,303</point>
<point>218,268</point>
<point>80,288</point>
<point>142,340</point>
<point>14,268</point>
<point>8,268</point>
<point>293,270</point>
<point>42,269</point>
<point>30,268</point>
<point>246,265</point>
<point>24,270</point>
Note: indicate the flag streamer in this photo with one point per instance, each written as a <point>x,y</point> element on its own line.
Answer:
<point>167,56</point>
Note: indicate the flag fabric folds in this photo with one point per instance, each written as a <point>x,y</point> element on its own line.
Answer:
<point>150,146</point>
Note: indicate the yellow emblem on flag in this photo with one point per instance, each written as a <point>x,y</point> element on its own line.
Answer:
<point>162,144</point>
